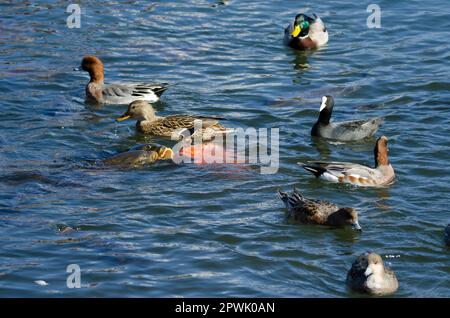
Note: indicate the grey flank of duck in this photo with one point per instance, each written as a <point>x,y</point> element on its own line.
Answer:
<point>120,93</point>
<point>447,235</point>
<point>342,131</point>
<point>140,155</point>
<point>306,33</point>
<point>311,211</point>
<point>172,126</point>
<point>343,172</point>
<point>369,275</point>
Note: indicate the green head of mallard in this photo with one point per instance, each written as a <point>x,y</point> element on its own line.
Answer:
<point>301,25</point>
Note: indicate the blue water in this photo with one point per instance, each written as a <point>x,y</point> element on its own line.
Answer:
<point>187,230</point>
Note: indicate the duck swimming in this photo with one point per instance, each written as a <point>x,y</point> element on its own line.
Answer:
<point>172,126</point>
<point>140,155</point>
<point>97,91</point>
<point>306,33</point>
<point>342,131</point>
<point>356,174</point>
<point>368,274</point>
<point>312,211</point>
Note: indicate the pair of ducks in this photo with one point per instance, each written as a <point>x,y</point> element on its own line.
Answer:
<point>304,33</point>
<point>322,212</point>
<point>368,273</point>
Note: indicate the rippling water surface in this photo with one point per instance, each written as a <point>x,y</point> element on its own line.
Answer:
<point>188,230</point>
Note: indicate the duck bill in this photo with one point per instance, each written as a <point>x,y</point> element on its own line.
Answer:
<point>356,226</point>
<point>165,153</point>
<point>296,31</point>
<point>77,68</point>
<point>123,117</point>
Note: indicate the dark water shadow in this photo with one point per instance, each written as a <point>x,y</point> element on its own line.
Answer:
<point>300,61</point>
<point>324,146</point>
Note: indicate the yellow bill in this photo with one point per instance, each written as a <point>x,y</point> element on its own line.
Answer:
<point>296,31</point>
<point>165,153</point>
<point>123,117</point>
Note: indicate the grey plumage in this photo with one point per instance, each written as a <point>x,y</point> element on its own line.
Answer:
<point>343,131</point>
<point>126,93</point>
<point>120,93</point>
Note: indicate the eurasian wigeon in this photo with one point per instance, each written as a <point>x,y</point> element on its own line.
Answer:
<point>306,33</point>
<point>149,123</point>
<point>342,131</point>
<point>369,275</point>
<point>310,211</point>
<point>140,155</point>
<point>97,91</point>
<point>356,174</point>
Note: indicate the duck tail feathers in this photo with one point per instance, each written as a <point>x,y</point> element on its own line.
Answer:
<point>316,170</point>
<point>291,200</point>
<point>161,88</point>
<point>282,195</point>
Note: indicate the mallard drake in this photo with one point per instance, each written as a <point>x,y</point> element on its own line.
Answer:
<point>368,274</point>
<point>356,174</point>
<point>172,126</point>
<point>312,211</point>
<point>98,92</point>
<point>306,33</point>
<point>141,155</point>
<point>342,131</point>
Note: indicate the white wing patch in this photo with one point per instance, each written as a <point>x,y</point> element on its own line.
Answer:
<point>329,177</point>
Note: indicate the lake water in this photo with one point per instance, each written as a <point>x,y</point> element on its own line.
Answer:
<point>214,230</point>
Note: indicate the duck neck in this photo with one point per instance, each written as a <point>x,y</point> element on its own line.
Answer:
<point>143,124</point>
<point>96,76</point>
<point>381,157</point>
<point>324,116</point>
<point>147,117</point>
